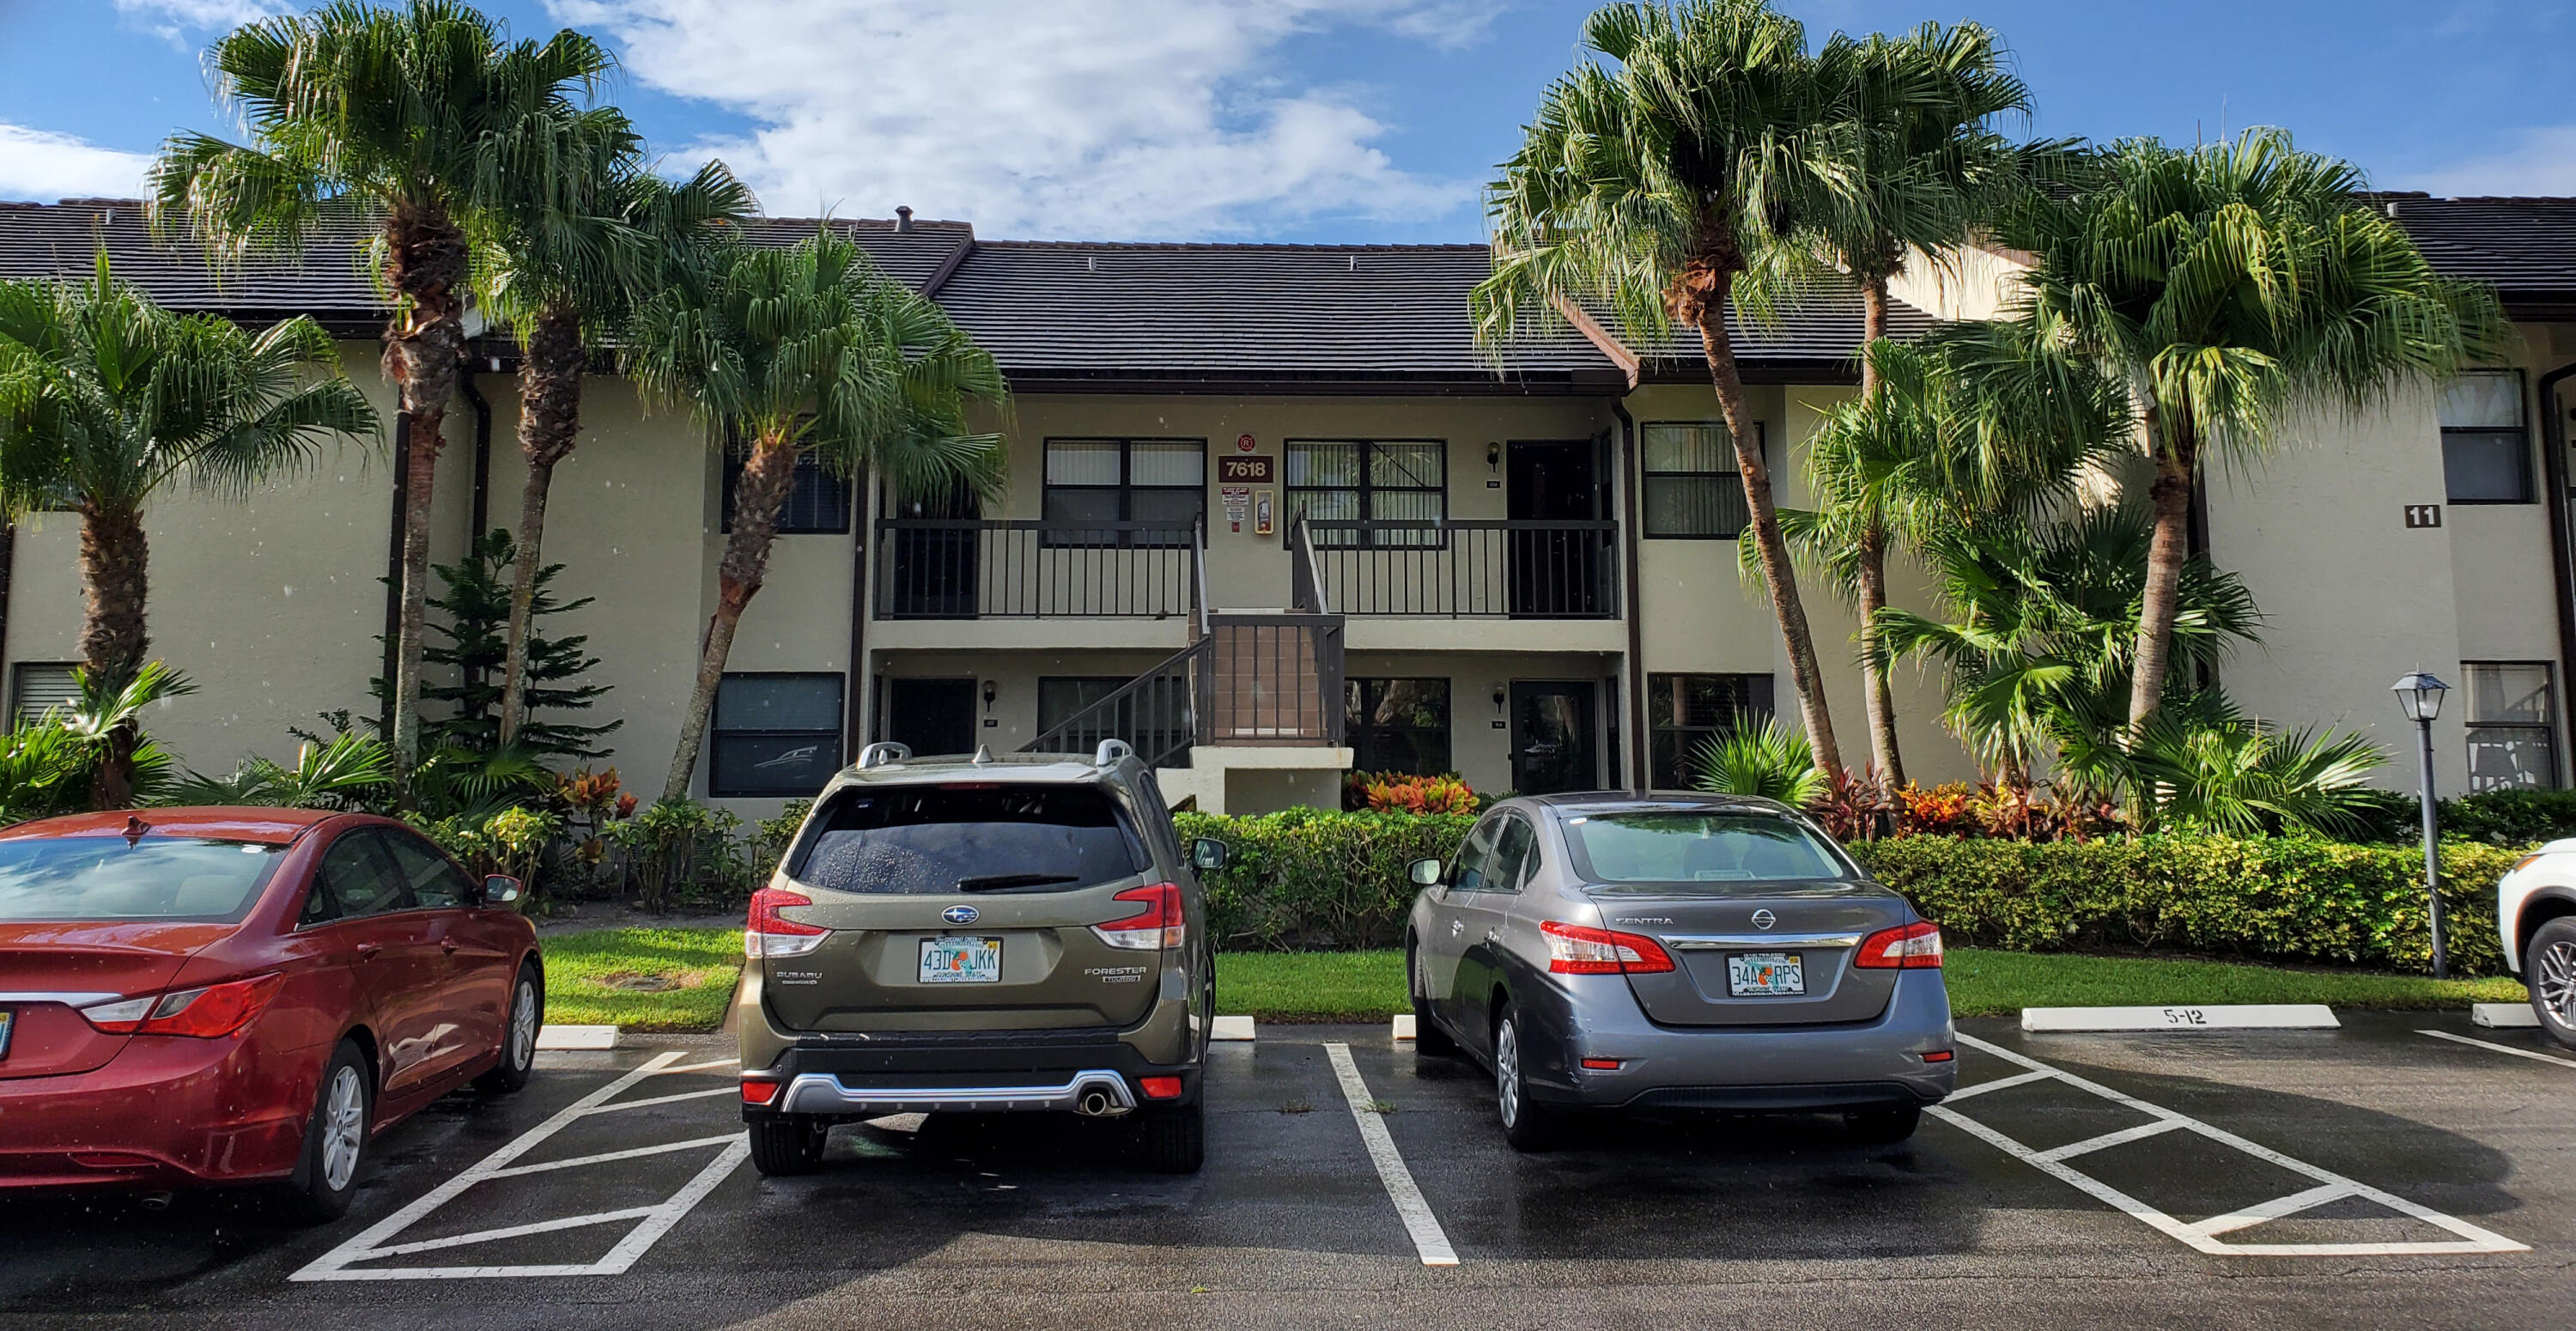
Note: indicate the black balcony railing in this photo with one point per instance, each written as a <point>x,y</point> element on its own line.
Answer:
<point>1469,568</point>
<point>965,568</point>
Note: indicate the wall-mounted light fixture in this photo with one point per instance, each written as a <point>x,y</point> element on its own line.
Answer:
<point>1500,698</point>
<point>1493,457</point>
<point>990,693</point>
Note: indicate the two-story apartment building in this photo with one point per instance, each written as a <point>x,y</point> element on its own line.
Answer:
<point>1272,515</point>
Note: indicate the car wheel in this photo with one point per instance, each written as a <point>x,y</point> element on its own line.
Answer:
<point>2550,969</point>
<point>788,1144</point>
<point>335,1139</point>
<point>518,1034</point>
<point>1882,1127</point>
<point>1429,1040</point>
<point>1527,1124</point>
<point>1172,1139</point>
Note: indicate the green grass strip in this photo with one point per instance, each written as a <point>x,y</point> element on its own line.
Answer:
<point>580,968</point>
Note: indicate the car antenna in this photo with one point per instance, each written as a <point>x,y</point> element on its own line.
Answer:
<point>983,755</point>
<point>135,827</point>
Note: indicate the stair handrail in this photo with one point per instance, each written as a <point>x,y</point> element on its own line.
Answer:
<point>1052,739</point>
<point>1305,575</point>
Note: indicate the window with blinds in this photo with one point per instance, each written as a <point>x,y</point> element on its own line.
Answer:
<point>1693,490</point>
<point>41,685</point>
<point>1383,482</point>
<point>1162,482</point>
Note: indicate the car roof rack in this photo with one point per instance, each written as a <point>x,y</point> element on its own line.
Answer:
<point>1111,752</point>
<point>883,752</point>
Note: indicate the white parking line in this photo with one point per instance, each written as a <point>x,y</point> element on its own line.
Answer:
<point>2534,1055</point>
<point>1428,1240</point>
<point>2202,1235</point>
<point>369,1245</point>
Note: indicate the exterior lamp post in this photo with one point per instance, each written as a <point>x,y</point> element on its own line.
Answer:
<point>2419,695</point>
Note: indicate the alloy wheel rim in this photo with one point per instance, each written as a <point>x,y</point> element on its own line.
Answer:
<point>2557,981</point>
<point>344,1121</point>
<point>523,1025</point>
<point>1507,1073</point>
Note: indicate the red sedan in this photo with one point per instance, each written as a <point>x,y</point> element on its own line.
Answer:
<point>233,995</point>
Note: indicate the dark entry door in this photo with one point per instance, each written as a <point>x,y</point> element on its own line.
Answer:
<point>936,570</point>
<point>1556,573</point>
<point>931,715</point>
<point>1552,737</point>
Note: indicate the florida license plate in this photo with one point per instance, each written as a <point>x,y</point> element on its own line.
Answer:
<point>961,961</point>
<point>1763,974</point>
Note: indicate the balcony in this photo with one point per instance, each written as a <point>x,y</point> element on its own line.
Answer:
<point>1489,569</point>
<point>965,568</point>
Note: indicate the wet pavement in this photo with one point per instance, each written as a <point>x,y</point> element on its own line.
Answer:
<point>2369,1176</point>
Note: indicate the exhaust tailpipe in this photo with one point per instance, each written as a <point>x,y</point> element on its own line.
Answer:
<point>1097,1103</point>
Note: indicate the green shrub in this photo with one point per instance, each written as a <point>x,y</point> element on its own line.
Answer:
<point>2510,817</point>
<point>2282,898</point>
<point>1318,879</point>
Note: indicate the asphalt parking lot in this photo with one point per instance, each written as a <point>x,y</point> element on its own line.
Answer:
<point>2369,1176</point>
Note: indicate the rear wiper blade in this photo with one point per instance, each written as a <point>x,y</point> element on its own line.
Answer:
<point>994,882</point>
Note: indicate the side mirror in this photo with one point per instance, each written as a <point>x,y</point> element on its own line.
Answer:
<point>1207,853</point>
<point>1425,873</point>
<point>500,889</point>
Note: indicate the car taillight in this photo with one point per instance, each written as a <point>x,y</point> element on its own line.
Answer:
<point>2517,864</point>
<point>769,934</point>
<point>1912,947</point>
<point>205,1013</point>
<point>1573,949</point>
<point>757,1091</point>
<point>1160,1088</point>
<point>1156,924</point>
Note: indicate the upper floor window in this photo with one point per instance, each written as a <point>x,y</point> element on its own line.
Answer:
<point>1692,487</point>
<point>1371,480</point>
<point>2486,448</point>
<point>820,503</point>
<point>1109,481</point>
<point>2513,725</point>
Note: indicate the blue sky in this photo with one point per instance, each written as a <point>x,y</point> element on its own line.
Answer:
<point>1319,120</point>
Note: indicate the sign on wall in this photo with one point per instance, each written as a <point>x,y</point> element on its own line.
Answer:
<point>1236,498</point>
<point>2423,515</point>
<point>1259,469</point>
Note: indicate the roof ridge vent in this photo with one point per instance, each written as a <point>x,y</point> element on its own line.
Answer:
<point>903,217</point>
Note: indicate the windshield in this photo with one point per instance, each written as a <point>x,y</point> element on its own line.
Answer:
<point>76,879</point>
<point>1699,852</point>
<point>970,838</point>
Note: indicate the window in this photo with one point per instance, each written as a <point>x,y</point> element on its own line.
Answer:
<point>360,879</point>
<point>1397,725</point>
<point>64,880</point>
<point>936,840</point>
<point>434,882</point>
<point>42,685</point>
<point>2513,725</point>
<point>2486,452</point>
<point>1716,853</point>
<point>1158,481</point>
<point>1513,851</point>
<point>1684,712</point>
<point>1155,719</point>
<point>1692,488</point>
<point>1467,871</point>
<point>820,503</point>
<point>775,734</point>
<point>1371,480</point>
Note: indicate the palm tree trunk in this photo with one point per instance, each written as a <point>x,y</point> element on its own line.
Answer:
<point>114,555</point>
<point>1773,547</point>
<point>549,423</point>
<point>767,477</point>
<point>426,265</point>
<point>2176,463</point>
<point>1879,699</point>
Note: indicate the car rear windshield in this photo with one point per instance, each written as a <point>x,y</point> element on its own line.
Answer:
<point>1698,851</point>
<point>78,879</point>
<point>970,838</point>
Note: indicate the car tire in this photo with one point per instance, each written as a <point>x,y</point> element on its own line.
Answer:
<point>335,1140</point>
<point>1172,1139</point>
<point>2549,969</point>
<point>1884,1127</point>
<point>519,1027</point>
<point>1429,1040</point>
<point>788,1144</point>
<point>1528,1125</point>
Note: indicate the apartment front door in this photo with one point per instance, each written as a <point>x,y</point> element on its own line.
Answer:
<point>1556,572</point>
<point>931,715</point>
<point>1552,736</point>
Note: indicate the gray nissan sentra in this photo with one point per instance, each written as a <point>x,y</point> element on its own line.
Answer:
<point>1619,951</point>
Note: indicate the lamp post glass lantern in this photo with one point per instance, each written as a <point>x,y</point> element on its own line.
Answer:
<point>2419,696</point>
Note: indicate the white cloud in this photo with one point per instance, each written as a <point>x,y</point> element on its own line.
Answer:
<point>1046,118</point>
<point>180,20</point>
<point>2537,162</point>
<point>43,166</point>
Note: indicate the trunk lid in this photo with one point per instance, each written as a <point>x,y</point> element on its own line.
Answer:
<point>75,965</point>
<point>1721,947</point>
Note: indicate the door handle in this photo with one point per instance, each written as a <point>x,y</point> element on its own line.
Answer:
<point>447,945</point>
<point>368,951</point>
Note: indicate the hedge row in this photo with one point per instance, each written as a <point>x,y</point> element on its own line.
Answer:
<point>1317,880</point>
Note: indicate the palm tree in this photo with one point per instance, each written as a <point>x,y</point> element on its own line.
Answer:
<point>1669,190</point>
<point>807,351</point>
<point>2230,286</point>
<point>1921,166</point>
<point>414,120</point>
<point>577,249</point>
<point>106,398</point>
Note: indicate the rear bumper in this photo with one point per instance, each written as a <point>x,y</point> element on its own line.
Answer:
<point>925,1073</point>
<point>164,1110</point>
<point>1752,1069</point>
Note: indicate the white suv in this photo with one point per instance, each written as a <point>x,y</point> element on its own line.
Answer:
<point>2536,919</point>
